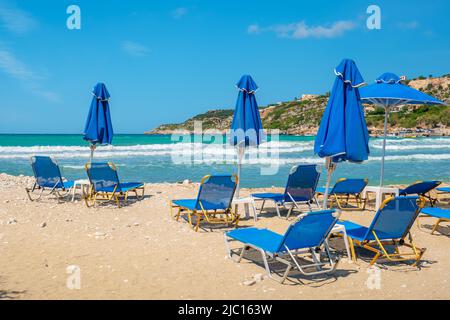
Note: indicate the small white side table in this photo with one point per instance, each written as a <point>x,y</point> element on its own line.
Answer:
<point>84,186</point>
<point>339,228</point>
<point>247,202</point>
<point>380,192</point>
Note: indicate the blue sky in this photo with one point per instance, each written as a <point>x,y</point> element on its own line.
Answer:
<point>164,61</point>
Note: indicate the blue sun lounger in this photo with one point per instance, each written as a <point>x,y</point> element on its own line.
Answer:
<point>343,190</point>
<point>390,227</point>
<point>300,188</point>
<point>421,188</point>
<point>47,178</point>
<point>106,186</point>
<point>444,189</point>
<point>213,202</point>
<point>443,215</point>
<point>308,234</point>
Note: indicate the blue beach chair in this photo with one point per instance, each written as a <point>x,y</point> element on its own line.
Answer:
<point>390,227</point>
<point>300,188</point>
<point>444,189</point>
<point>213,202</point>
<point>47,179</point>
<point>106,186</point>
<point>308,234</point>
<point>423,189</point>
<point>343,190</point>
<point>443,215</point>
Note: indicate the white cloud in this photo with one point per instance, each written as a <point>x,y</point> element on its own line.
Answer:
<point>15,19</point>
<point>135,49</point>
<point>14,67</point>
<point>17,69</point>
<point>253,29</point>
<point>179,12</point>
<point>301,30</point>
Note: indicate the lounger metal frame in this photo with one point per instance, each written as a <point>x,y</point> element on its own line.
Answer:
<point>427,195</point>
<point>293,203</point>
<point>292,255</point>
<point>379,246</point>
<point>343,200</point>
<point>93,196</point>
<point>288,205</point>
<point>227,216</point>
<point>52,191</point>
<point>436,225</point>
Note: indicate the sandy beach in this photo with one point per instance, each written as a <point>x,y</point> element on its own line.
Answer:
<point>139,252</point>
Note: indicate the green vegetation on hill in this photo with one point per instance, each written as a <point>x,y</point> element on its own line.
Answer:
<point>213,119</point>
<point>296,114</point>
<point>303,116</point>
<point>423,116</point>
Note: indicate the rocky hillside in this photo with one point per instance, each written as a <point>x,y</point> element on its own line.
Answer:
<point>302,116</point>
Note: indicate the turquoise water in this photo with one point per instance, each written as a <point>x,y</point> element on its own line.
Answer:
<point>159,158</point>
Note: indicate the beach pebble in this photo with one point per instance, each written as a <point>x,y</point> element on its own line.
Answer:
<point>248,283</point>
<point>258,277</point>
<point>43,224</point>
<point>99,235</point>
<point>11,221</point>
<point>136,224</point>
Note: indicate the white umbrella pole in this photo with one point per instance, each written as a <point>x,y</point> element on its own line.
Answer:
<point>330,168</point>
<point>241,151</point>
<point>384,145</point>
<point>92,153</point>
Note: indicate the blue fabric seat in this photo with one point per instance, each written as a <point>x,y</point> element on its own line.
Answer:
<point>356,231</point>
<point>106,185</point>
<point>390,226</point>
<point>265,239</point>
<point>277,197</point>
<point>213,202</point>
<point>48,178</point>
<point>343,190</point>
<point>320,190</point>
<point>122,187</point>
<point>443,215</point>
<point>190,204</point>
<point>300,188</point>
<point>444,189</point>
<point>436,212</point>
<point>423,189</point>
<point>307,234</point>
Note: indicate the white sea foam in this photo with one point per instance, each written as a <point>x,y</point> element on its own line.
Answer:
<point>271,152</point>
<point>413,147</point>
<point>409,157</point>
<point>149,150</point>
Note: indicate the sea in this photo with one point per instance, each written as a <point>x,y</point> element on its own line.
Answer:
<point>166,158</point>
